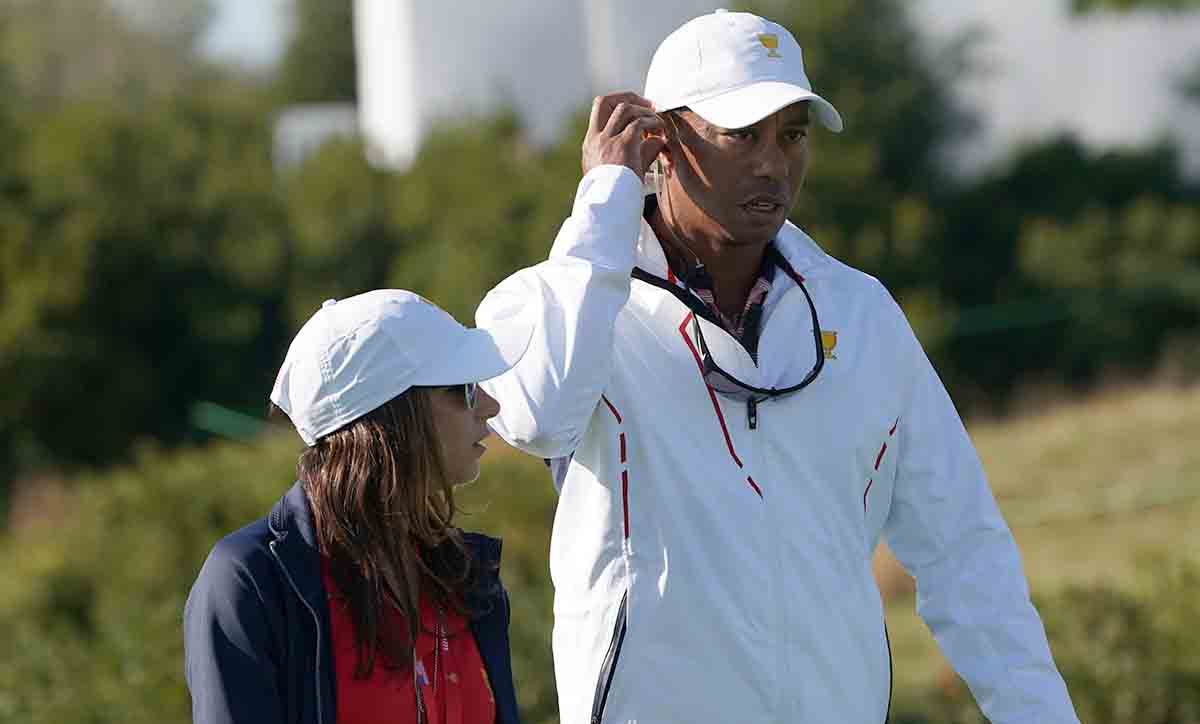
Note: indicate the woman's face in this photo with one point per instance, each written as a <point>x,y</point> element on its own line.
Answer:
<point>461,430</point>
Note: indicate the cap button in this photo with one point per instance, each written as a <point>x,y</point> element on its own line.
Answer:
<point>720,11</point>
<point>328,303</point>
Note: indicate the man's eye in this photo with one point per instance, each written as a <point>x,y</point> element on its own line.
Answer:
<point>740,135</point>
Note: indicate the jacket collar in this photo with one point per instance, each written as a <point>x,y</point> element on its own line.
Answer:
<point>292,516</point>
<point>294,543</point>
<point>485,553</point>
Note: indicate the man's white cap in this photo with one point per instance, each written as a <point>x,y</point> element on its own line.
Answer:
<point>355,354</point>
<point>733,69</point>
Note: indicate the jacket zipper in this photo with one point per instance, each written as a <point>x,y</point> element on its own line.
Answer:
<point>604,682</point>
<point>887,639</point>
<point>316,620</point>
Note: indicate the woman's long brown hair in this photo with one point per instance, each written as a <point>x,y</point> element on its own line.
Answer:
<point>383,510</point>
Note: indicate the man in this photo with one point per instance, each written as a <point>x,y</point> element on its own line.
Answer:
<point>736,418</point>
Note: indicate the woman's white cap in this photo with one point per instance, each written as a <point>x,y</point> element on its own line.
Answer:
<point>357,353</point>
<point>733,70</point>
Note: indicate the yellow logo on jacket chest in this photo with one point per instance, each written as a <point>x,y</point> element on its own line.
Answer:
<point>829,343</point>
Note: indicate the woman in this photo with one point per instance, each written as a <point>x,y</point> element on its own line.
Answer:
<point>356,600</point>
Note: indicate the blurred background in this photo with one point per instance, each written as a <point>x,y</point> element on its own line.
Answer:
<point>182,182</point>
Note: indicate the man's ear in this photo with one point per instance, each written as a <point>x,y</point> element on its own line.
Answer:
<point>665,156</point>
<point>664,160</point>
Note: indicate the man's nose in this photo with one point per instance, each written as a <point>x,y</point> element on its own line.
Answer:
<point>770,160</point>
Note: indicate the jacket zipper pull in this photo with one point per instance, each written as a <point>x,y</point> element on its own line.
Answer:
<point>752,413</point>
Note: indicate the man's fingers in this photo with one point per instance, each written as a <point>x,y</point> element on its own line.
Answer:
<point>619,128</point>
<point>603,107</point>
<point>641,125</point>
<point>624,115</point>
<point>652,146</point>
<point>598,118</point>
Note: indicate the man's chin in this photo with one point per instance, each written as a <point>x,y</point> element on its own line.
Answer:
<point>759,234</point>
<point>756,228</point>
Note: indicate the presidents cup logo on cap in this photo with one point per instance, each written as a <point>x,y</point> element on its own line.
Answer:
<point>770,41</point>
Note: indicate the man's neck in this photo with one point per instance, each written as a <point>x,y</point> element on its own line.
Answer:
<point>734,268</point>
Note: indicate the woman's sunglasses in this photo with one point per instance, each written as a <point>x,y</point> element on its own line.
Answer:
<point>470,393</point>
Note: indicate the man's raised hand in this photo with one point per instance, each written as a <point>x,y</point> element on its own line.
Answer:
<point>623,130</point>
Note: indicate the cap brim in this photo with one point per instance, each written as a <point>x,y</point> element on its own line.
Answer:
<point>483,353</point>
<point>750,104</point>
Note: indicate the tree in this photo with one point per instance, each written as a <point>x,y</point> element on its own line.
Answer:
<point>177,22</point>
<point>139,271</point>
<point>64,50</point>
<point>318,65</point>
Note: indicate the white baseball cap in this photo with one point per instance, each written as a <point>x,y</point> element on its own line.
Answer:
<point>355,354</point>
<point>733,70</point>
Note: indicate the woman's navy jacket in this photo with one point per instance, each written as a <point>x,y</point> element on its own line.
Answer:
<point>256,625</point>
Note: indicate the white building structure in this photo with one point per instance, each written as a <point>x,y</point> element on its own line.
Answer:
<point>422,62</point>
<point>301,129</point>
<point>1110,79</point>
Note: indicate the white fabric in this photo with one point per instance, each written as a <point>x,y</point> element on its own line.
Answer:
<point>356,354</point>
<point>733,69</point>
<point>743,608</point>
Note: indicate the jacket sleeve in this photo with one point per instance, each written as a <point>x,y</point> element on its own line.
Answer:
<point>231,674</point>
<point>548,398</point>
<point>946,529</point>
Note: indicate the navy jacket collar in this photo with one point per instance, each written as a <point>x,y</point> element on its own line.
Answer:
<point>295,544</point>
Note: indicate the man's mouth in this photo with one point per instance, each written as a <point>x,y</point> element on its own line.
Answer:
<point>769,205</point>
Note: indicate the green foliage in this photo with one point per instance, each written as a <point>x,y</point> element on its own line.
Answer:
<point>476,204</point>
<point>91,612</point>
<point>1135,271</point>
<point>61,51</point>
<point>1027,238</point>
<point>515,199</point>
<point>318,65</point>
<point>1132,655</point>
<point>137,262</point>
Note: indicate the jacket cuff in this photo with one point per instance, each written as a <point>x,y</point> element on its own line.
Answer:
<point>607,217</point>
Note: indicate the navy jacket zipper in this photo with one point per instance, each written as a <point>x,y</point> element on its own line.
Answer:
<point>317,624</point>
<point>604,681</point>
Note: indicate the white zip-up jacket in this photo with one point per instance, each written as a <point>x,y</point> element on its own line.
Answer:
<point>705,571</point>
